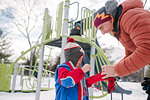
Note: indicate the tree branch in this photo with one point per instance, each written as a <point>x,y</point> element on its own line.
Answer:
<point>144,3</point>
<point>17,25</point>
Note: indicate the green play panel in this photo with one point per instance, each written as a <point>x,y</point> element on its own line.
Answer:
<point>5,77</point>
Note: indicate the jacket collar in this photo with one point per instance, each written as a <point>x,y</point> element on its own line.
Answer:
<point>116,20</point>
<point>70,64</point>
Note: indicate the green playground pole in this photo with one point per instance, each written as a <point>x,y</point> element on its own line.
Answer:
<point>38,88</point>
<point>92,63</point>
<point>40,67</point>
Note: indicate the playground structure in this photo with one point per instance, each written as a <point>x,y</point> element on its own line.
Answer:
<point>94,55</point>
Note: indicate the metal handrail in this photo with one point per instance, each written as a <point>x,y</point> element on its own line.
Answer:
<point>77,12</point>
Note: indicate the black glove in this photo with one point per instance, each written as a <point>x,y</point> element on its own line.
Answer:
<point>146,85</point>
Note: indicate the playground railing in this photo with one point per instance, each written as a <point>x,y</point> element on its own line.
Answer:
<point>59,15</point>
<point>6,72</point>
<point>88,29</point>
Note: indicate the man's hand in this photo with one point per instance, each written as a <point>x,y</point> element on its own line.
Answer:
<point>146,85</point>
<point>86,68</point>
<point>108,71</point>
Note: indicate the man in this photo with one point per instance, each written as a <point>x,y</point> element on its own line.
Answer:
<point>130,24</point>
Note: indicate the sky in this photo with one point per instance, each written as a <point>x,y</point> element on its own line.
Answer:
<point>20,44</point>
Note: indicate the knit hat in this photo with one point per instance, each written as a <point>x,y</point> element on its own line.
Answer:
<point>111,7</point>
<point>100,16</point>
<point>72,51</point>
<point>77,24</point>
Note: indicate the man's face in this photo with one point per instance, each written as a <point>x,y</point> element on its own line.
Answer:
<point>106,27</point>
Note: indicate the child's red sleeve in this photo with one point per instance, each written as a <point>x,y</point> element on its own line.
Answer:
<point>70,78</point>
<point>93,79</point>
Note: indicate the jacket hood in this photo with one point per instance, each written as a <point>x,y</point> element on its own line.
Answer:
<point>130,4</point>
<point>123,8</point>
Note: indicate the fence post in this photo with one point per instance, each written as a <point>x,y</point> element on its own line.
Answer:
<point>49,81</point>
<point>111,96</point>
<point>14,78</point>
<point>121,96</point>
<point>22,73</point>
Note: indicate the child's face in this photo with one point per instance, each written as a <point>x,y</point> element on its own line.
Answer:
<point>80,59</point>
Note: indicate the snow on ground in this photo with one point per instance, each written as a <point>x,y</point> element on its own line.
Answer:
<point>137,93</point>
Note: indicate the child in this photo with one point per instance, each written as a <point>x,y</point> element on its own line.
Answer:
<point>76,30</point>
<point>69,77</point>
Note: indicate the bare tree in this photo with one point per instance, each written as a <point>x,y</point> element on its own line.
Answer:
<point>27,20</point>
<point>146,3</point>
<point>53,67</point>
<point>5,51</point>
